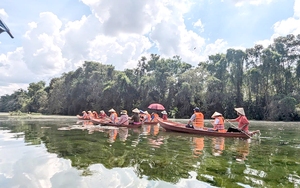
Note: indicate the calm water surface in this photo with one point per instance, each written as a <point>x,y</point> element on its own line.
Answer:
<point>64,152</point>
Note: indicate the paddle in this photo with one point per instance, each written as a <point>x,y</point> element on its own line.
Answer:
<point>238,128</point>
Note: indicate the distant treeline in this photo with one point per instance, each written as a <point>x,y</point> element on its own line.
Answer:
<point>265,81</point>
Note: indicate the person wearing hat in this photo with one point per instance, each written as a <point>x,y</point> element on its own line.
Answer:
<point>84,116</point>
<point>113,116</point>
<point>243,123</point>
<point>164,115</point>
<point>90,114</point>
<point>142,115</point>
<point>218,123</point>
<point>124,119</point>
<point>102,114</point>
<point>196,120</point>
<point>147,117</point>
<point>95,115</point>
<point>135,118</point>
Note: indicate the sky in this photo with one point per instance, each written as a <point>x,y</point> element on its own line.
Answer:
<point>52,37</point>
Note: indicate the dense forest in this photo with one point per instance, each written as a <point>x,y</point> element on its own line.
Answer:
<point>265,81</point>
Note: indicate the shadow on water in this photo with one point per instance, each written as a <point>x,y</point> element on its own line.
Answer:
<point>271,161</point>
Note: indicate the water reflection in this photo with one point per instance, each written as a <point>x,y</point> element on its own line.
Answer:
<point>157,157</point>
<point>242,149</point>
<point>218,145</point>
<point>150,129</point>
<point>156,142</point>
<point>146,129</point>
<point>198,146</point>
<point>123,134</point>
<point>112,135</point>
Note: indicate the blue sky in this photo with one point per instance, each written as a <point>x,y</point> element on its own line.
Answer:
<point>57,36</point>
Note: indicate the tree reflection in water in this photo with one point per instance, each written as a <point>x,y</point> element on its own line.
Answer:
<point>169,156</point>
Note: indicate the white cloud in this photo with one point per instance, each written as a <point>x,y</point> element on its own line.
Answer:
<point>219,46</point>
<point>285,27</point>
<point>3,13</point>
<point>13,68</point>
<point>42,46</point>
<point>297,9</point>
<point>117,33</point>
<point>265,43</point>
<point>240,3</point>
<point>199,25</point>
<point>118,50</point>
<point>125,16</point>
<point>288,26</point>
<point>161,20</point>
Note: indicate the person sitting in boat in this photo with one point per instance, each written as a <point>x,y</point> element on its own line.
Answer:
<point>147,117</point>
<point>113,116</point>
<point>102,114</point>
<point>164,115</point>
<point>95,115</point>
<point>142,115</point>
<point>243,123</point>
<point>124,119</point>
<point>135,118</point>
<point>154,117</point>
<point>90,114</point>
<point>196,120</point>
<point>84,116</point>
<point>218,123</point>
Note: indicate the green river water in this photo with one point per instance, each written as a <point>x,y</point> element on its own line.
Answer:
<point>45,152</point>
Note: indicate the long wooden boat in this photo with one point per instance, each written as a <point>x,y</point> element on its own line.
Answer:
<point>180,127</point>
<point>105,122</point>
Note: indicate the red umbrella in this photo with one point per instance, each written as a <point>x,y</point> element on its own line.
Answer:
<point>156,106</point>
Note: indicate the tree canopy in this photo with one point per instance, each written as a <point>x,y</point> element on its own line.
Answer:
<point>265,81</point>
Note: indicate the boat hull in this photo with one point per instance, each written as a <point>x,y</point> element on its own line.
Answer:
<point>179,127</point>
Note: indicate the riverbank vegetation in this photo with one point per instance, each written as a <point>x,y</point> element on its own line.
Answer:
<point>265,81</point>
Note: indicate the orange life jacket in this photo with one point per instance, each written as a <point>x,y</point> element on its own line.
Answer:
<point>156,116</point>
<point>220,125</point>
<point>115,117</point>
<point>199,120</point>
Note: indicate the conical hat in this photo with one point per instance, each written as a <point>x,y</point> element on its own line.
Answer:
<point>164,112</point>
<point>111,110</point>
<point>123,111</point>
<point>216,114</point>
<point>240,110</point>
<point>136,110</point>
